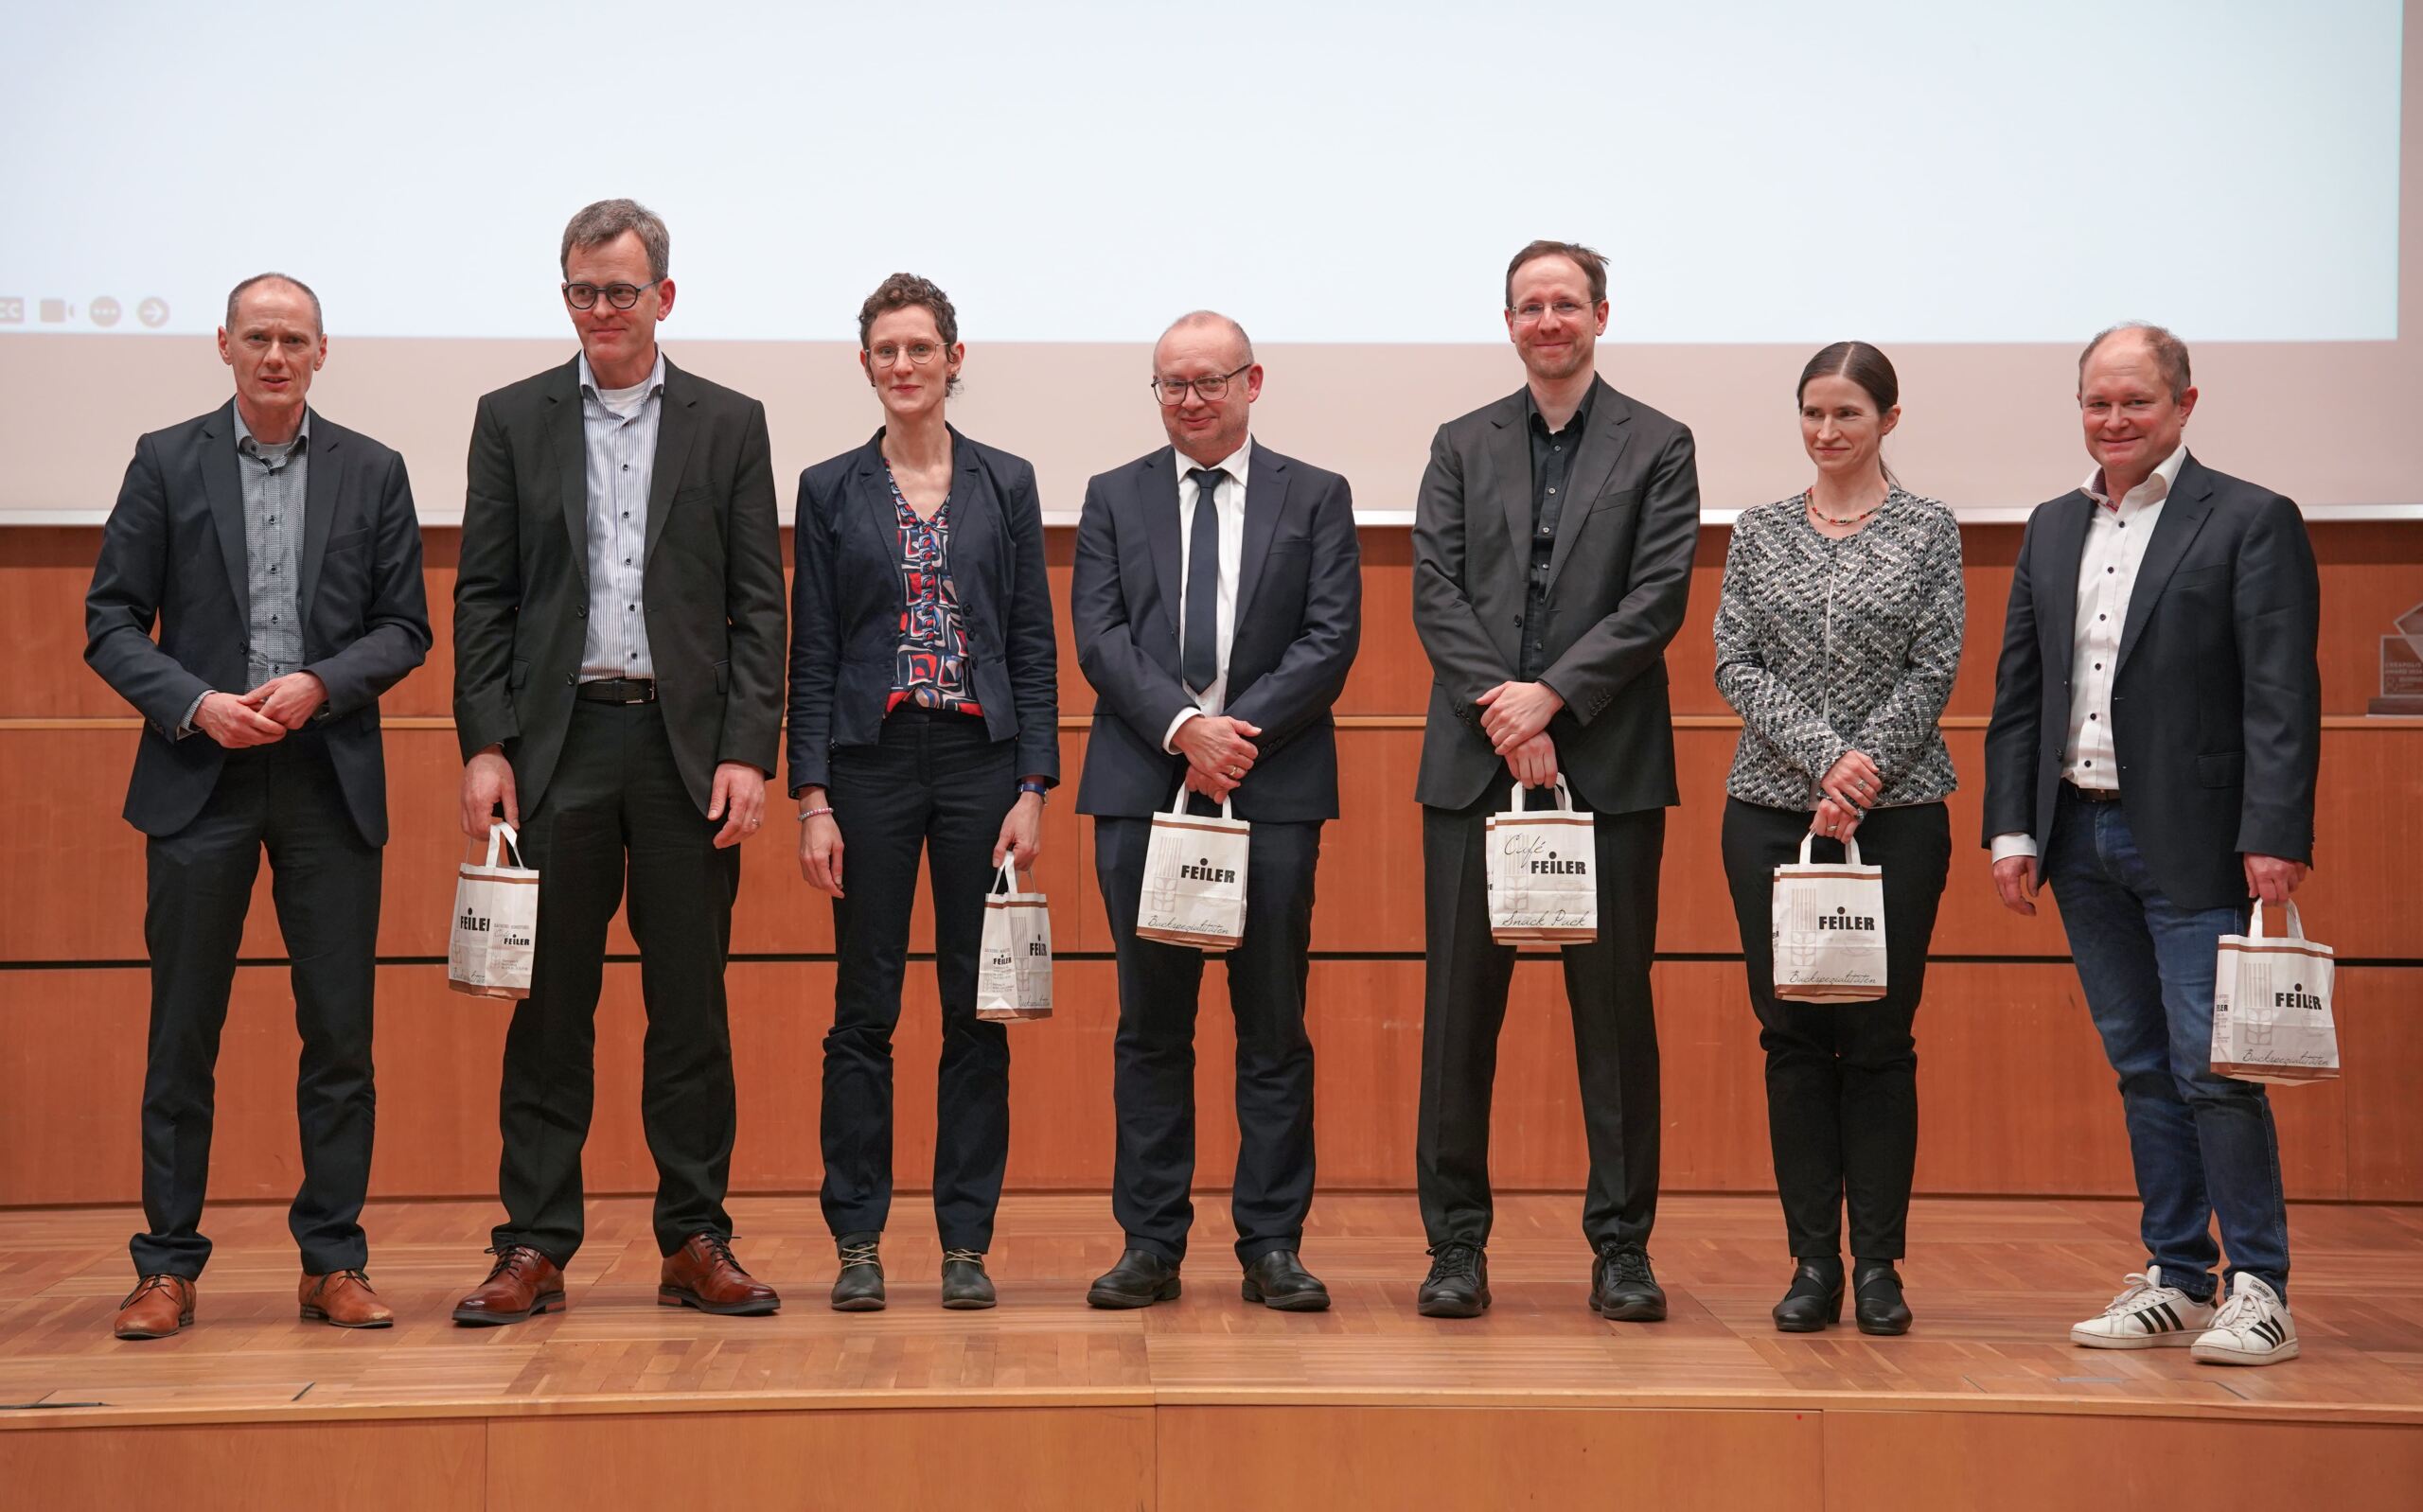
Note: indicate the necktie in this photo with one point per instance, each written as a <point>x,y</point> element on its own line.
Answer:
<point>1199,657</point>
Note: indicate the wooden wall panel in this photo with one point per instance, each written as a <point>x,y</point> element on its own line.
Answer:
<point>362,1467</point>
<point>2015,1095</point>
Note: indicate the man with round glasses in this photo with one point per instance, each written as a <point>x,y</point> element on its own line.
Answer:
<point>1218,600</point>
<point>618,684</point>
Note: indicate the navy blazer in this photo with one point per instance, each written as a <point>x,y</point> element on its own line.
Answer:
<point>2216,704</point>
<point>846,606</point>
<point>173,553</point>
<point>1299,620</point>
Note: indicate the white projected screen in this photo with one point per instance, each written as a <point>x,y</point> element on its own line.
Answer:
<point>1765,170</point>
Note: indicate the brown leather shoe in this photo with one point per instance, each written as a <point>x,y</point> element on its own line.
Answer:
<point>523,1283</point>
<point>702,1274</point>
<point>158,1307</point>
<point>343,1299</point>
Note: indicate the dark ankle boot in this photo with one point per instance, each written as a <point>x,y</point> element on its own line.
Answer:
<point>1816,1298</point>
<point>1877,1288</point>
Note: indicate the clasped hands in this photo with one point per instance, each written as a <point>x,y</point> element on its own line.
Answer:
<point>1851,788</point>
<point>262,716</point>
<point>1218,751</point>
<point>1514,716</point>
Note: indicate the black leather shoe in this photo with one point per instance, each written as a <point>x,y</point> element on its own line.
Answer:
<point>860,1287</point>
<point>1140,1279</point>
<point>1877,1288</point>
<point>965,1283</point>
<point>1623,1289</point>
<point>1278,1281</point>
<point>1457,1285</point>
<point>1816,1298</point>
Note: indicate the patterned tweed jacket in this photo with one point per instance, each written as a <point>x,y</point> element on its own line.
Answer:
<point>1825,647</point>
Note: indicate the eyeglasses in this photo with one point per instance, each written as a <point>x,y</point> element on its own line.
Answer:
<point>622,296</point>
<point>1531,314</point>
<point>920,353</point>
<point>1172,392</point>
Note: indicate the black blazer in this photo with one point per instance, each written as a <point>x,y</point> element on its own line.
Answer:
<point>846,606</point>
<point>1619,574</point>
<point>1299,620</point>
<point>2216,704</point>
<point>173,552</point>
<point>712,591</point>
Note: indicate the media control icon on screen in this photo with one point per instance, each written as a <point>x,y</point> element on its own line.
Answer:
<point>13,310</point>
<point>55,312</point>
<point>105,311</point>
<point>152,313</point>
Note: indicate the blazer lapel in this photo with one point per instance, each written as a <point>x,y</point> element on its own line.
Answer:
<point>324,471</point>
<point>225,491</point>
<point>676,424</point>
<point>1266,500</point>
<point>1158,490</point>
<point>2183,516</point>
<point>1509,453</point>
<point>2057,598</point>
<point>872,498</point>
<point>565,432</point>
<point>1610,429</point>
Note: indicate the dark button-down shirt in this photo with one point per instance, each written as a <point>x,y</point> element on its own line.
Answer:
<point>273,478</point>
<point>1551,463</point>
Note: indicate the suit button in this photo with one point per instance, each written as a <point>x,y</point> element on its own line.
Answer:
<point>582,611</point>
<point>571,679</point>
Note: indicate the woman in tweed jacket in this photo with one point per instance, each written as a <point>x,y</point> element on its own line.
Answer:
<point>1836,641</point>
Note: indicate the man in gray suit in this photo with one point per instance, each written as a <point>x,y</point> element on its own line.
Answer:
<point>1552,551</point>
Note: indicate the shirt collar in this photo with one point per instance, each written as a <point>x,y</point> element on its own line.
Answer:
<point>246,442</point>
<point>1581,415</point>
<point>1233,464</point>
<point>654,386</point>
<point>2152,491</point>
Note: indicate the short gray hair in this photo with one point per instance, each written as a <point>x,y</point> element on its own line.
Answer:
<point>606,221</point>
<point>237,293</point>
<point>2171,354</point>
<point>1211,317</point>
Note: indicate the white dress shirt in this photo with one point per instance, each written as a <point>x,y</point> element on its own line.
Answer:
<point>2116,534</point>
<point>1228,497</point>
<point>618,434</point>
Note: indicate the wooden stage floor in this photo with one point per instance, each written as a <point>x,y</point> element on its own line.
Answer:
<point>1204,1402</point>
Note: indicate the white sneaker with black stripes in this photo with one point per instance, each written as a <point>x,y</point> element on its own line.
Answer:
<point>2251,1328</point>
<point>2146,1315</point>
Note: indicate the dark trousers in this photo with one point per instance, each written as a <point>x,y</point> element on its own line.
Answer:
<point>616,798</point>
<point>1842,1078</point>
<point>324,877</point>
<point>933,782</point>
<point>1153,1075</point>
<point>1615,1029</point>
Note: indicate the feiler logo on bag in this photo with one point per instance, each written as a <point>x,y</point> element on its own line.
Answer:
<point>1201,869</point>
<point>1844,919</point>
<point>2297,997</point>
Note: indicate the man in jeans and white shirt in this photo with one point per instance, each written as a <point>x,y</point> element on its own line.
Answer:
<point>2156,732</point>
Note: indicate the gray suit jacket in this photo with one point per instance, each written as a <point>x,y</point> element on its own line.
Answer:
<point>712,591</point>
<point>173,554</point>
<point>1620,572</point>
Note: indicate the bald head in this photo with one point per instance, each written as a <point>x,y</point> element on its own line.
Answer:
<point>1199,321</point>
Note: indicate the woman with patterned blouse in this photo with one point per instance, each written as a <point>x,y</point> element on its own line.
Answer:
<point>1837,638</point>
<point>924,712</point>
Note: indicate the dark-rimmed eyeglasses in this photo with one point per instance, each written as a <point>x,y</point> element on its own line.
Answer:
<point>622,296</point>
<point>1172,392</point>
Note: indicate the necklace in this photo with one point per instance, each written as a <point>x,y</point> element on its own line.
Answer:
<point>1809,499</point>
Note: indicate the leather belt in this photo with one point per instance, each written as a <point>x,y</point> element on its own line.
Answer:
<point>618,690</point>
<point>2092,795</point>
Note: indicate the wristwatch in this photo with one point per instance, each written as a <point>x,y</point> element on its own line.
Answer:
<point>1038,789</point>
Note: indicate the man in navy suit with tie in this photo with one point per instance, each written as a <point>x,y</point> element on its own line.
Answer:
<point>1217,600</point>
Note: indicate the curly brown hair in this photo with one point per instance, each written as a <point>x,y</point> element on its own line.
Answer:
<point>909,292</point>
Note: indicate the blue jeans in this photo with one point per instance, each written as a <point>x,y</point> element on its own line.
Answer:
<point>2203,1144</point>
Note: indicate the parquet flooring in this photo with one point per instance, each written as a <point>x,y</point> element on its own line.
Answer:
<point>1995,1285</point>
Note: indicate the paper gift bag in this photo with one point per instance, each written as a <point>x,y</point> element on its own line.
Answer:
<point>2272,1005</point>
<point>1829,929</point>
<point>1543,873</point>
<point>495,923</point>
<point>1014,974</point>
<point>1194,879</point>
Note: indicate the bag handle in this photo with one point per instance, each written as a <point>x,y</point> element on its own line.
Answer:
<point>1178,805</point>
<point>2296,925</point>
<point>1850,850</point>
<point>500,835</point>
<point>1563,797</point>
<point>1008,879</point>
